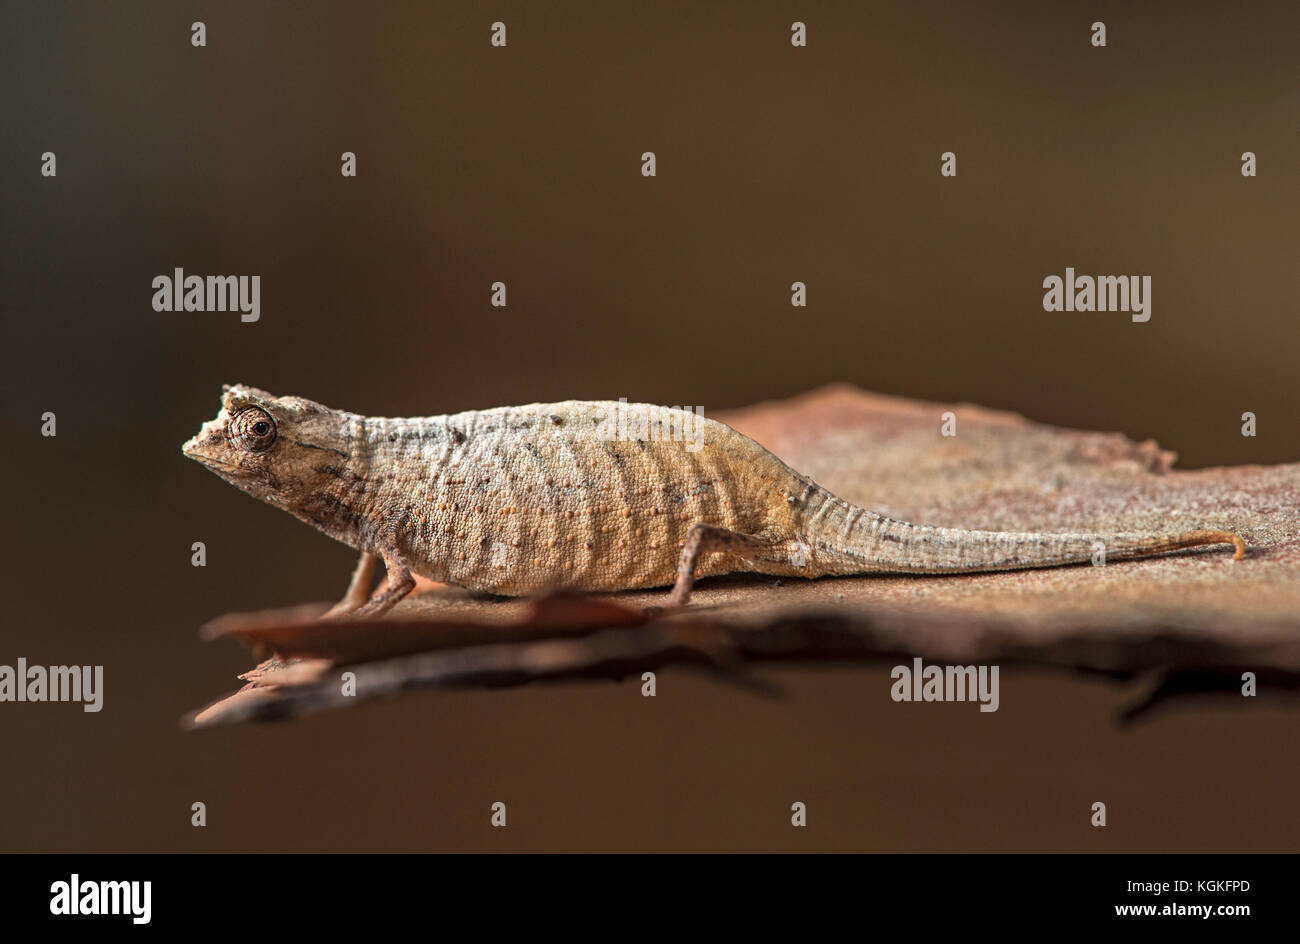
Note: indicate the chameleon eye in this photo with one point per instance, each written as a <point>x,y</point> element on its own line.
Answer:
<point>253,429</point>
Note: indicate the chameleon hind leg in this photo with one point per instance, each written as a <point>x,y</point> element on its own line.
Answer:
<point>760,554</point>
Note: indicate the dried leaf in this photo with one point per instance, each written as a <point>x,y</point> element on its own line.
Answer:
<point>1197,620</point>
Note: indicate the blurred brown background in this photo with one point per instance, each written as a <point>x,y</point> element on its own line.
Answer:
<point>522,164</point>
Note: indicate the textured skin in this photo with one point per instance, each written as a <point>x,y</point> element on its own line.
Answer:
<point>518,500</point>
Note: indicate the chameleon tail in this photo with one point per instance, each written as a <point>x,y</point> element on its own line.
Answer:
<point>874,544</point>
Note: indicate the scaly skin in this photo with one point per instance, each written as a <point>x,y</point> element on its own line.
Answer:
<point>519,500</point>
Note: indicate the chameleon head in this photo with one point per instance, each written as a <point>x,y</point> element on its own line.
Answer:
<point>278,449</point>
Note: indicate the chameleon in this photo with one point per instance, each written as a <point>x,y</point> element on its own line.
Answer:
<point>519,500</point>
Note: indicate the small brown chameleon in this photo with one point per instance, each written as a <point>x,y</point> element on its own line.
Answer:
<point>522,499</point>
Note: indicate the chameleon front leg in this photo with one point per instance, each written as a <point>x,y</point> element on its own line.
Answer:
<point>400,583</point>
<point>707,538</point>
<point>363,580</point>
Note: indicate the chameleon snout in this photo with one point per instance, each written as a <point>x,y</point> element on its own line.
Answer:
<point>210,437</point>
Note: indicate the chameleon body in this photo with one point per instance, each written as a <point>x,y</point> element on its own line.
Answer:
<point>519,500</point>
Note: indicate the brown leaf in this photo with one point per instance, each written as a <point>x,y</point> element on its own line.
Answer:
<point>1189,617</point>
